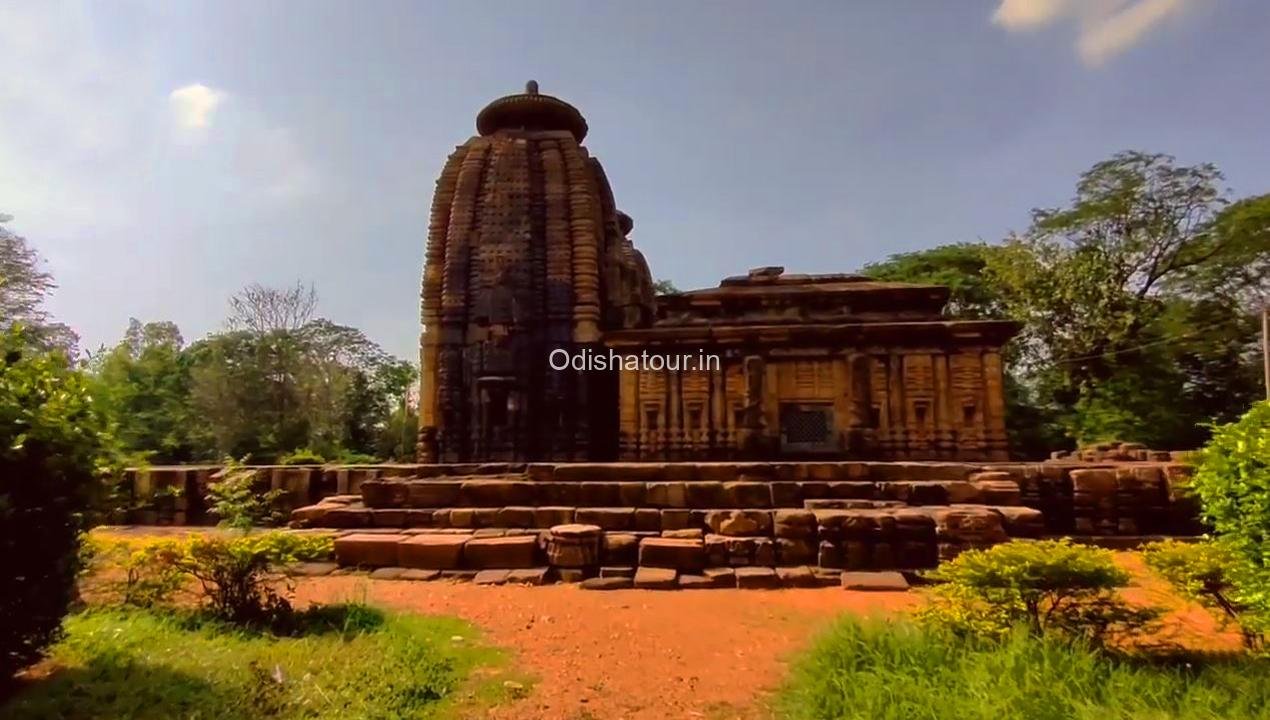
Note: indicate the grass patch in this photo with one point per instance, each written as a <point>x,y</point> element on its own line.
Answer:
<point>342,662</point>
<point>881,671</point>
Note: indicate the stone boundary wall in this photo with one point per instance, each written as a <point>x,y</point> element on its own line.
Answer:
<point>1075,497</point>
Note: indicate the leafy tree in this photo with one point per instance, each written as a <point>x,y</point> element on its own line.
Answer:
<point>960,267</point>
<point>1109,288</point>
<point>24,286</point>
<point>143,384</point>
<point>664,287</point>
<point>53,447</point>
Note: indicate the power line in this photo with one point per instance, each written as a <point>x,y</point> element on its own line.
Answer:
<point>1154,343</point>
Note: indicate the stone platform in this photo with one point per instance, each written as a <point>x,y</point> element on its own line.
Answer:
<point>728,524</point>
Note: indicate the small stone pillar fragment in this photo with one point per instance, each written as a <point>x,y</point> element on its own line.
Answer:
<point>574,545</point>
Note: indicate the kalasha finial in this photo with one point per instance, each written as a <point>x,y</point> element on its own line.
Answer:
<point>531,87</point>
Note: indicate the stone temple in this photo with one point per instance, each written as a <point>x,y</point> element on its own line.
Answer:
<point>528,253</point>
<point>847,428</point>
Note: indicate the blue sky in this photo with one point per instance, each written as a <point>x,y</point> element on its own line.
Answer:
<point>162,155</point>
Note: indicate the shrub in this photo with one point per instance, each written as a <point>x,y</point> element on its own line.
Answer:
<point>879,670</point>
<point>1212,574</point>
<point>1232,482</point>
<point>1051,586</point>
<point>53,453</point>
<point>239,501</point>
<point>237,575</point>
<point>138,573</point>
<point>302,456</point>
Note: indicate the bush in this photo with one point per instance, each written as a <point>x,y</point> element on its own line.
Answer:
<point>237,575</point>
<point>1219,579</point>
<point>140,574</point>
<point>53,453</point>
<point>894,671</point>
<point>302,456</point>
<point>239,501</point>
<point>1232,482</point>
<point>1050,586</point>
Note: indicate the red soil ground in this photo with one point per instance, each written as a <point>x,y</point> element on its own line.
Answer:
<point>635,654</point>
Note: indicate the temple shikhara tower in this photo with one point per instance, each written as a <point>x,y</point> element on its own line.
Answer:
<point>528,253</point>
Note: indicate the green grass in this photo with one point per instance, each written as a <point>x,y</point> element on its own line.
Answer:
<point>347,662</point>
<point>883,671</point>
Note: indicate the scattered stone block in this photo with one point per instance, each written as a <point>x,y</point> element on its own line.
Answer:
<point>491,577</point>
<point>620,549</point>
<point>432,552</point>
<point>653,578</point>
<point>697,582</point>
<point>372,550</point>
<point>688,534</point>
<point>610,571</point>
<point>418,574</point>
<point>798,576</point>
<point>527,576</point>
<point>607,583</point>
<point>501,552</point>
<point>874,581</point>
<point>675,553</point>
<point>721,576</point>
<point>313,569</point>
<point>739,522</point>
<point>386,573</point>
<point>459,575</point>
<point>756,578</point>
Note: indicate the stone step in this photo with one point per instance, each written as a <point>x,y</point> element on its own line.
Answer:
<point>488,492</point>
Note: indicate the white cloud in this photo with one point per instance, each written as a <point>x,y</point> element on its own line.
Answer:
<point>1105,28</point>
<point>193,105</point>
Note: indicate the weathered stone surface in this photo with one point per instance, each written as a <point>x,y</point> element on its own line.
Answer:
<point>599,494</point>
<point>433,552</point>
<point>795,552</point>
<point>515,517</point>
<point>667,494</point>
<point>756,578</point>
<point>739,522</point>
<point>500,552</point>
<point>527,576</point>
<point>570,575</point>
<point>312,569</point>
<point>491,577</point>
<point>545,517</point>
<point>387,573</point>
<point>653,578</point>
<point>608,583</point>
<point>794,524</point>
<point>692,534</point>
<point>721,576</point>
<point>648,519</point>
<point>679,554</point>
<point>608,518</point>
<point>797,576</point>
<point>874,581</point>
<point>372,550</point>
<point>418,574</point>
<point>620,549</point>
<point>496,493</point>
<point>1095,482</point>
<point>432,493</point>
<point>625,572</point>
<point>676,520</point>
<point>747,494</point>
<point>695,582</point>
<point>705,495</point>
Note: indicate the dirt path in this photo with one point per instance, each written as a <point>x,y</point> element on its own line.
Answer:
<point>629,654</point>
